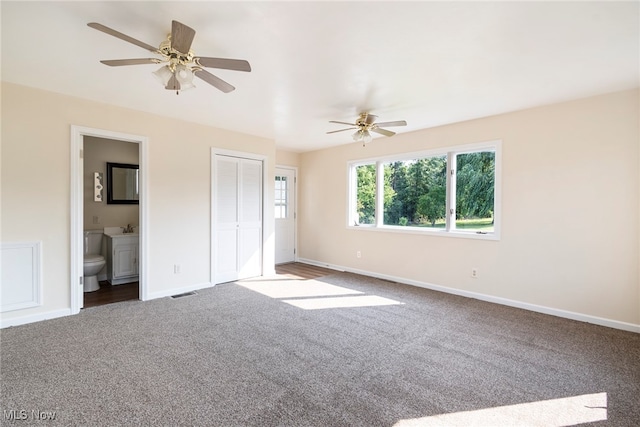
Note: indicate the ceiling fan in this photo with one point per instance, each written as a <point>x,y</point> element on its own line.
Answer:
<point>365,123</point>
<point>181,63</point>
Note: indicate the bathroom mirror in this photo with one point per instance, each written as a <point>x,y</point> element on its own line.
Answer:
<point>122,184</point>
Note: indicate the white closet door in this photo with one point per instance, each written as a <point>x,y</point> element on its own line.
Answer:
<point>226,219</point>
<point>250,218</point>
<point>237,218</point>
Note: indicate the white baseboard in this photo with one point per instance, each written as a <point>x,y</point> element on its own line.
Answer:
<point>489,298</point>
<point>23,320</point>
<point>178,291</point>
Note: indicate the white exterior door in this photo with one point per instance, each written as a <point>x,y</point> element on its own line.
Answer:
<point>285,215</point>
<point>237,218</point>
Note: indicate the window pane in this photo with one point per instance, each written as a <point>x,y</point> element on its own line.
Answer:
<point>366,194</point>
<point>475,182</point>
<point>281,202</point>
<point>415,192</point>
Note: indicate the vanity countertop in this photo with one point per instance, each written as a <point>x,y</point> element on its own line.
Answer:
<point>118,232</point>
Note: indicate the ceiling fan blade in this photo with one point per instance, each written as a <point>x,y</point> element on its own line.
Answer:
<point>120,62</point>
<point>370,119</point>
<point>121,36</point>
<point>223,63</point>
<point>341,130</point>
<point>396,123</point>
<point>342,123</point>
<point>181,37</point>
<point>214,81</point>
<point>383,131</point>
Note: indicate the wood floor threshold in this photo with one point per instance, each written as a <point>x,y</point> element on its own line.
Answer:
<point>109,294</point>
<point>301,270</point>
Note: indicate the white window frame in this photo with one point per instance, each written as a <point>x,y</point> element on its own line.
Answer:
<point>449,230</point>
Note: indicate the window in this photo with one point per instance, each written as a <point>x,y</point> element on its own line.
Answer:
<point>281,201</point>
<point>454,191</point>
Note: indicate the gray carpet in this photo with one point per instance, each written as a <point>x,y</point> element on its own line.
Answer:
<point>230,356</point>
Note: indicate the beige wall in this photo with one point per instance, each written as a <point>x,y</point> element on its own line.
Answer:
<point>570,201</point>
<point>97,152</point>
<point>570,211</point>
<point>287,158</point>
<point>36,186</point>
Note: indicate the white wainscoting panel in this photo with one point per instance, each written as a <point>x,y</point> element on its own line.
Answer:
<point>21,280</point>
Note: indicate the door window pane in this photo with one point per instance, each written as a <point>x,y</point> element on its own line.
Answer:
<point>281,202</point>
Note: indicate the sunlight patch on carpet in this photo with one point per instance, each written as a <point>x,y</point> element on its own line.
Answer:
<point>314,294</point>
<point>341,302</point>
<point>297,289</point>
<point>567,411</point>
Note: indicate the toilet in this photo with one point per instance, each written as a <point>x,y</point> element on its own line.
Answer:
<point>93,261</point>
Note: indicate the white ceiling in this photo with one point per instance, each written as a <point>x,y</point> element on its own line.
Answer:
<point>429,63</point>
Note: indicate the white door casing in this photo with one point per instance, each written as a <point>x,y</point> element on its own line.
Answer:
<point>285,215</point>
<point>77,207</point>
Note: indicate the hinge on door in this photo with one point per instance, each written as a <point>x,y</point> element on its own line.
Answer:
<point>81,281</point>
<point>81,153</point>
<point>453,172</point>
<point>294,251</point>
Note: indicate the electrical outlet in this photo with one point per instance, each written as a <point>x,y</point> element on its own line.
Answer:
<point>474,273</point>
<point>176,269</point>
<point>358,254</point>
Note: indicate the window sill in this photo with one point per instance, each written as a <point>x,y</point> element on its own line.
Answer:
<point>427,232</point>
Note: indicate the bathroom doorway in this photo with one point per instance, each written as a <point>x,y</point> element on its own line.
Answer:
<point>120,222</point>
<point>111,205</point>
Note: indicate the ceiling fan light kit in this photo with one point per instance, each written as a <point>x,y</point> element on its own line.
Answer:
<point>365,124</point>
<point>181,64</point>
<point>362,135</point>
<point>163,75</point>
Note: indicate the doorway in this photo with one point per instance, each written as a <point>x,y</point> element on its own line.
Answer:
<point>77,225</point>
<point>285,215</point>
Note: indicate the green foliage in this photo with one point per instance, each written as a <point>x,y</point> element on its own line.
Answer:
<point>476,224</point>
<point>396,207</point>
<point>433,205</point>
<point>419,187</point>
<point>366,208</point>
<point>415,191</point>
<point>475,185</point>
<point>389,192</point>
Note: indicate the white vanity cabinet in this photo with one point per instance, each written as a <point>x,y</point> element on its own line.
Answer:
<point>122,258</point>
